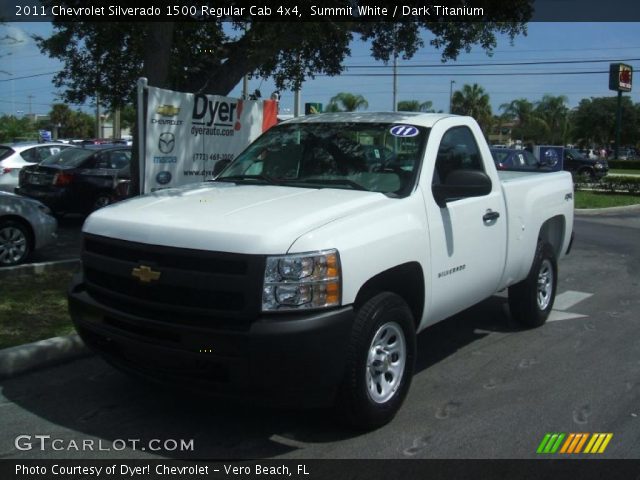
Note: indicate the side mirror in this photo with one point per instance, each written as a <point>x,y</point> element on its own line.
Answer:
<point>461,184</point>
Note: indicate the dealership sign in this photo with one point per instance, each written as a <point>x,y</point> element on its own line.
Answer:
<point>187,135</point>
<point>620,77</point>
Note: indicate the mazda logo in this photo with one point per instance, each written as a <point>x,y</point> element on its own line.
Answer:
<point>166,142</point>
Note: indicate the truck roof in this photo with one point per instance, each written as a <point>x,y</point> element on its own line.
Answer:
<point>416,118</point>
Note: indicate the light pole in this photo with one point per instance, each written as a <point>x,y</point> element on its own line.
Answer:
<point>451,94</point>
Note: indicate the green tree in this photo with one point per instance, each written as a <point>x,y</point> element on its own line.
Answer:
<point>552,115</point>
<point>472,100</point>
<point>13,129</point>
<point>415,106</point>
<point>105,59</point>
<point>61,116</point>
<point>520,112</point>
<point>128,116</point>
<point>347,102</point>
<point>72,124</point>
<point>594,121</point>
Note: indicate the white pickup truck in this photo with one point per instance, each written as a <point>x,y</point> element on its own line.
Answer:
<point>305,270</point>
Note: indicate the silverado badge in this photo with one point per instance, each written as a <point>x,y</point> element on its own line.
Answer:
<point>145,274</point>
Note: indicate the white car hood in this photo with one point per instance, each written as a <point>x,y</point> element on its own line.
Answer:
<point>259,219</point>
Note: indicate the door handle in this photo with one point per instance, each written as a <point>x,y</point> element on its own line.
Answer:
<point>490,216</point>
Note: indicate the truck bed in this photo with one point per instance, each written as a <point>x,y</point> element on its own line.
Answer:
<point>531,198</point>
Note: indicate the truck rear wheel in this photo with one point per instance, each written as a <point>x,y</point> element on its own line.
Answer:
<point>380,362</point>
<point>531,300</point>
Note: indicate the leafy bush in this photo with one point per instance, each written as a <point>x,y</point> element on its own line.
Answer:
<point>631,164</point>
<point>610,184</point>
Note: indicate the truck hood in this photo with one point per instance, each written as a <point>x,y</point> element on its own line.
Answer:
<point>259,219</point>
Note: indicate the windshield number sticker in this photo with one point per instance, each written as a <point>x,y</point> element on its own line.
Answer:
<point>404,131</point>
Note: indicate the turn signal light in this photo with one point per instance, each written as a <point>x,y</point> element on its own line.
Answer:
<point>62,179</point>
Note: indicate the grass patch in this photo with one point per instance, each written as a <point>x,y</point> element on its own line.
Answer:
<point>626,171</point>
<point>604,200</point>
<point>34,307</point>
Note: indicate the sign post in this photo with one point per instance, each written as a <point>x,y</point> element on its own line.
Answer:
<point>620,80</point>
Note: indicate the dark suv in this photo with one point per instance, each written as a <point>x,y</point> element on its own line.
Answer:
<point>77,180</point>
<point>579,165</point>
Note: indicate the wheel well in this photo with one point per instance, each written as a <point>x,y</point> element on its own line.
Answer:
<point>552,232</point>
<point>406,281</point>
<point>30,235</point>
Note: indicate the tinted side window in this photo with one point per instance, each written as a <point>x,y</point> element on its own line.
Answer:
<point>458,151</point>
<point>97,160</point>
<point>46,152</point>
<point>30,155</point>
<point>530,159</point>
<point>119,159</point>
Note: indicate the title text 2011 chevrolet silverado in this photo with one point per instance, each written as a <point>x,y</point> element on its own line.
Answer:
<point>306,269</point>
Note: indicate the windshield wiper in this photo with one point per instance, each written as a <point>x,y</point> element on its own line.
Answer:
<point>239,178</point>
<point>334,181</point>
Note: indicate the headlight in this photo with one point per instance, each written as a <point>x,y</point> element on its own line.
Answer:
<point>299,281</point>
<point>599,166</point>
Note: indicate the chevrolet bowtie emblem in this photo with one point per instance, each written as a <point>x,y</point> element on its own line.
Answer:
<point>145,274</point>
<point>167,110</point>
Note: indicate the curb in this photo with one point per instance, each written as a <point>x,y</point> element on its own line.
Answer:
<point>45,353</point>
<point>607,211</point>
<point>37,268</point>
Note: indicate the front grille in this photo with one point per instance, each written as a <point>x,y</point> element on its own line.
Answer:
<point>194,287</point>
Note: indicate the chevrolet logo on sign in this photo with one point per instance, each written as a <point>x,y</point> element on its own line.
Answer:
<point>167,110</point>
<point>145,274</point>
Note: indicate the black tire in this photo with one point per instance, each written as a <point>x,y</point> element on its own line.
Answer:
<point>587,173</point>
<point>382,318</point>
<point>102,200</point>
<point>15,243</point>
<point>530,303</point>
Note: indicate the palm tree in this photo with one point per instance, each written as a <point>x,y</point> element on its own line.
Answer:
<point>346,102</point>
<point>472,100</point>
<point>415,106</point>
<point>521,112</point>
<point>553,114</point>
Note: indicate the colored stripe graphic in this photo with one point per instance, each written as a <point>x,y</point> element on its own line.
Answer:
<point>550,443</point>
<point>573,443</point>
<point>598,443</point>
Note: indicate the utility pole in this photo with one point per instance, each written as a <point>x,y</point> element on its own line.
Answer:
<point>451,95</point>
<point>97,114</point>
<point>29,97</point>
<point>395,81</point>
<point>618,125</point>
<point>117,131</point>
<point>395,68</point>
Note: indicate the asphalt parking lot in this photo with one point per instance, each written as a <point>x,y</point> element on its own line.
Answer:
<point>483,387</point>
<point>67,244</point>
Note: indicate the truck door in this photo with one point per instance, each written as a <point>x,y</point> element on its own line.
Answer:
<point>468,235</point>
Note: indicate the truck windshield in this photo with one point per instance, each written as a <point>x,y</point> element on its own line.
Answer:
<point>376,157</point>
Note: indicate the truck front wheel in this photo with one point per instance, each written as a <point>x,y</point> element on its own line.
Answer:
<point>380,362</point>
<point>531,300</point>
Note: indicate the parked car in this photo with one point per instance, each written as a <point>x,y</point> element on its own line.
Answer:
<point>13,157</point>
<point>76,181</point>
<point>579,165</point>
<point>627,154</point>
<point>25,225</point>
<point>512,159</point>
<point>95,141</point>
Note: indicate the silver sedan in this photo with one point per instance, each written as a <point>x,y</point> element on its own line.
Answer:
<point>25,225</point>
